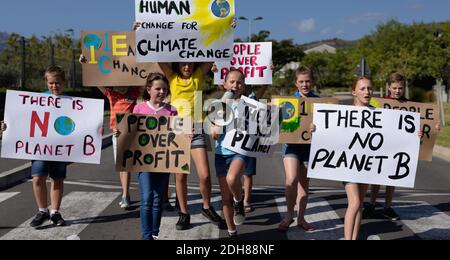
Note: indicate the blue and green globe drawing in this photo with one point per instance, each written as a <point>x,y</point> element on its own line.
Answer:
<point>287,110</point>
<point>64,125</point>
<point>221,8</point>
<point>289,121</point>
<point>92,40</point>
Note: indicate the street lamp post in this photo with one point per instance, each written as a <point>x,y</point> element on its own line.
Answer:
<point>52,52</point>
<point>444,74</point>
<point>250,25</point>
<point>22,63</point>
<point>74,77</point>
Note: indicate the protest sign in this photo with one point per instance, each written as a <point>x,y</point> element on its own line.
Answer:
<point>152,143</point>
<point>254,131</point>
<point>184,30</point>
<point>111,60</point>
<point>365,145</point>
<point>296,115</point>
<point>429,118</point>
<point>52,128</point>
<point>253,59</point>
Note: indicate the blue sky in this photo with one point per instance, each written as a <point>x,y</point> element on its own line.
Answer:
<point>303,21</point>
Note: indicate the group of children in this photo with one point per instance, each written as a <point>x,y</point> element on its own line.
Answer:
<point>182,80</point>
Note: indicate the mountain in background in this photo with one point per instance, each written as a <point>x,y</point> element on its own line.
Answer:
<point>336,43</point>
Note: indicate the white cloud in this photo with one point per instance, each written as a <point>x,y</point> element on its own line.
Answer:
<point>340,32</point>
<point>325,31</point>
<point>307,25</point>
<point>368,17</point>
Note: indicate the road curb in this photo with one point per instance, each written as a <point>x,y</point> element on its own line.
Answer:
<point>23,172</point>
<point>442,152</point>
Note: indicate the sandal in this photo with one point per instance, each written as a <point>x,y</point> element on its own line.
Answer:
<point>306,226</point>
<point>248,208</point>
<point>284,225</point>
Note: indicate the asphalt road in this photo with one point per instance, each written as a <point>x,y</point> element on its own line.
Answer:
<point>92,194</point>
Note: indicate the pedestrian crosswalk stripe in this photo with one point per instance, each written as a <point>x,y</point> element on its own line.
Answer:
<point>424,220</point>
<point>78,208</point>
<point>7,195</point>
<point>201,229</point>
<point>321,215</point>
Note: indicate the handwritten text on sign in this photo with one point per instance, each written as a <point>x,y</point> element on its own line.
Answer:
<point>296,116</point>
<point>254,131</point>
<point>153,144</point>
<point>112,60</point>
<point>365,145</point>
<point>429,118</point>
<point>184,30</point>
<point>52,128</point>
<point>253,59</point>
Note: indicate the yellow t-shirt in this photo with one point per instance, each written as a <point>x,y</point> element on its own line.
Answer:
<point>183,94</point>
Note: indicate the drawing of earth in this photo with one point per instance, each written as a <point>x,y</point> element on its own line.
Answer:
<point>64,125</point>
<point>92,40</point>
<point>221,8</point>
<point>287,110</point>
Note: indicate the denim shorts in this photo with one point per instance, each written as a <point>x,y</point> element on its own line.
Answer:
<point>250,167</point>
<point>296,151</point>
<point>199,141</point>
<point>223,163</point>
<point>56,170</point>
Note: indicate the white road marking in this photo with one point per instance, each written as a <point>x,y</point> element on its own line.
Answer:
<point>17,169</point>
<point>321,215</point>
<point>424,220</point>
<point>201,229</point>
<point>7,195</point>
<point>78,208</point>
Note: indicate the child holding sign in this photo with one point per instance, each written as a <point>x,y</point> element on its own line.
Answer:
<point>121,100</point>
<point>362,90</point>
<point>186,81</point>
<point>40,170</point>
<point>153,185</point>
<point>397,90</point>
<point>294,157</point>
<point>230,165</point>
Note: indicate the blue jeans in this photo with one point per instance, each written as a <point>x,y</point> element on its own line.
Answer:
<point>152,186</point>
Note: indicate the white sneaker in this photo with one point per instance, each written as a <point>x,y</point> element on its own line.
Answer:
<point>125,203</point>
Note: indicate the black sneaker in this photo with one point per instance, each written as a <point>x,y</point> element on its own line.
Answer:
<point>233,235</point>
<point>212,215</point>
<point>39,219</point>
<point>57,220</point>
<point>390,214</point>
<point>223,225</point>
<point>168,207</point>
<point>184,222</point>
<point>368,211</point>
<point>239,213</point>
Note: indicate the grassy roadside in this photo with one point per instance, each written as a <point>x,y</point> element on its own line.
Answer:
<point>444,136</point>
